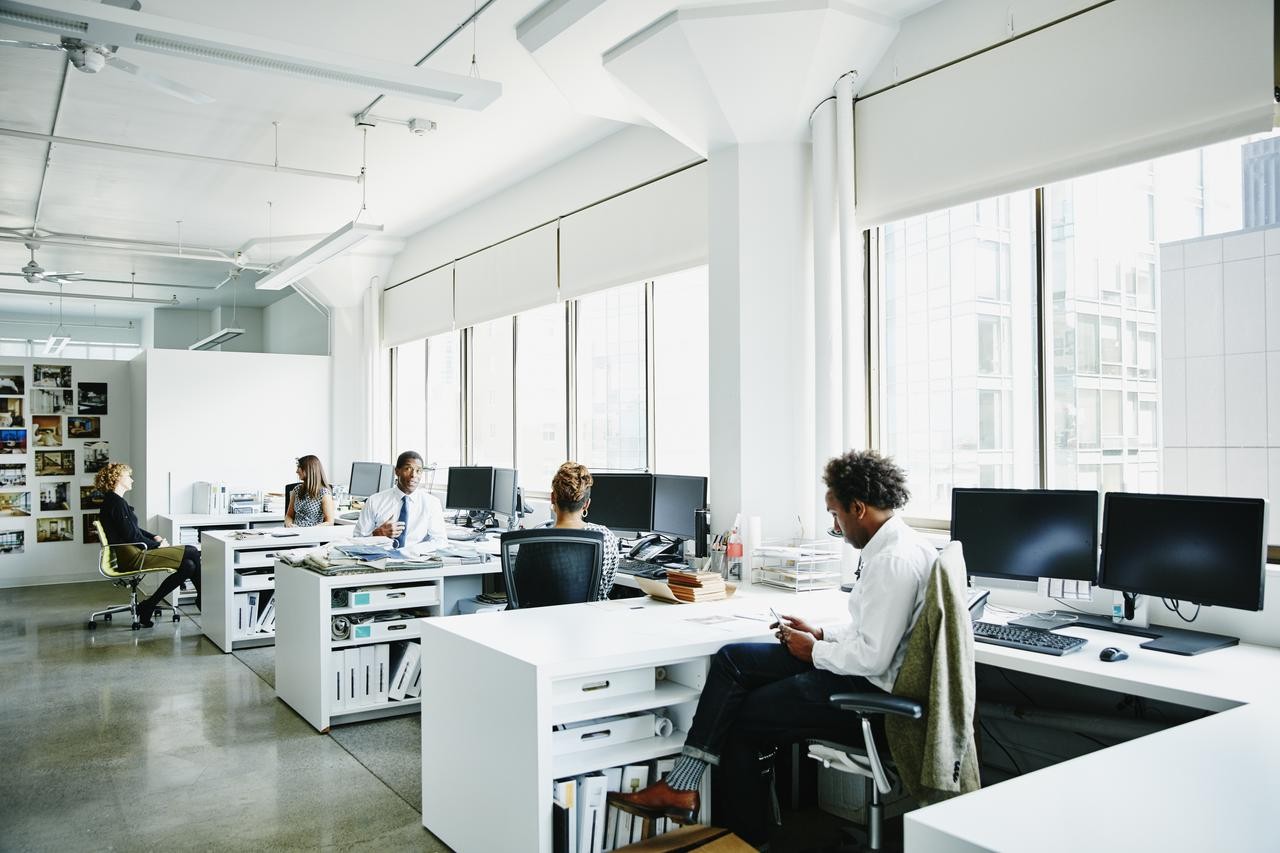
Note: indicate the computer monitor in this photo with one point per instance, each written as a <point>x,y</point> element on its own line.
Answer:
<point>505,486</point>
<point>676,499</point>
<point>470,487</point>
<point>622,501</point>
<point>1195,550</point>
<point>1026,534</point>
<point>368,478</point>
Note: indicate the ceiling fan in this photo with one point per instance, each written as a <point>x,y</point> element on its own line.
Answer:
<point>91,58</point>
<point>34,273</point>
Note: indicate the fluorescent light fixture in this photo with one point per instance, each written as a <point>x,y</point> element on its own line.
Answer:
<point>327,249</point>
<point>217,338</point>
<point>56,344</point>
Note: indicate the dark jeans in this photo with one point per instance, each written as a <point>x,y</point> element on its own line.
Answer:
<point>188,569</point>
<point>759,697</point>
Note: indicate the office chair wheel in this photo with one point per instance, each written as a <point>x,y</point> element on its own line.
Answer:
<point>91,626</point>
<point>136,626</point>
<point>106,617</point>
<point>176,617</point>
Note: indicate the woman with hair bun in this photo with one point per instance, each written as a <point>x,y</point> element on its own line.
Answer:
<point>570,500</point>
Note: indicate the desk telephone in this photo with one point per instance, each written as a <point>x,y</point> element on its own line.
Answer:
<point>649,547</point>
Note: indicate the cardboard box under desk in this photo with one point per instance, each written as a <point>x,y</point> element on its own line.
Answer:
<point>708,839</point>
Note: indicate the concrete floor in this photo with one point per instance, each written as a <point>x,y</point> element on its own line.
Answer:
<point>146,740</point>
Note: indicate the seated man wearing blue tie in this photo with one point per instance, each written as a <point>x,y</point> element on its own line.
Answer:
<point>413,518</point>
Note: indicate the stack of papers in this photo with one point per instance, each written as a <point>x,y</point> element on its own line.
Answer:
<point>696,586</point>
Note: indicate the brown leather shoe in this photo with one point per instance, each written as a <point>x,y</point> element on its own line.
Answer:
<point>659,799</point>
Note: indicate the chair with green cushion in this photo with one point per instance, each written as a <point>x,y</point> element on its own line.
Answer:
<point>126,577</point>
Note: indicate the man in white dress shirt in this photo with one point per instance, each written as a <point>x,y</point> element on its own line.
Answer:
<point>761,695</point>
<point>412,517</point>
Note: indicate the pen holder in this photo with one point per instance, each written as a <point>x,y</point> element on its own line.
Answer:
<point>717,562</point>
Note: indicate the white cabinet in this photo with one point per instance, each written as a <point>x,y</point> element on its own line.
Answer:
<point>321,618</point>
<point>185,529</point>
<point>237,577</point>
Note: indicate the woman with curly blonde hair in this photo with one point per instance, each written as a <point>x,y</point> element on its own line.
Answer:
<point>135,546</point>
<point>570,501</point>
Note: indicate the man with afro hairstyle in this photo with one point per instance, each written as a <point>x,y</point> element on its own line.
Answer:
<point>761,695</point>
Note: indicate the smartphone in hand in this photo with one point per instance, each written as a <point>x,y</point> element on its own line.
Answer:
<point>782,626</point>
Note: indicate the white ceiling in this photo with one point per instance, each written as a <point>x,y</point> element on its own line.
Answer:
<point>413,181</point>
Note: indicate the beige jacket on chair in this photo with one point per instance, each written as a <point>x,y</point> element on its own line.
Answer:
<point>936,756</point>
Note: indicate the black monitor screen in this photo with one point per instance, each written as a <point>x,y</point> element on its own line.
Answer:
<point>1025,534</point>
<point>622,501</point>
<point>470,487</point>
<point>504,491</point>
<point>366,479</point>
<point>675,500</point>
<point>1198,550</point>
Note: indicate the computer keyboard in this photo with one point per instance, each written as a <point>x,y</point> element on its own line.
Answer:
<point>1029,639</point>
<point>466,535</point>
<point>640,569</point>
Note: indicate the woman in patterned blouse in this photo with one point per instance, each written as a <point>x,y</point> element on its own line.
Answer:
<point>310,502</point>
<point>570,500</point>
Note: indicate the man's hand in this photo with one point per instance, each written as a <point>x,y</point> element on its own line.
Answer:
<point>798,643</point>
<point>162,542</point>
<point>389,528</point>
<point>795,623</point>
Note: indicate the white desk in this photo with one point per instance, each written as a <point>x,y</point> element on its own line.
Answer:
<point>1205,785</point>
<point>224,559</point>
<point>510,676</point>
<point>305,644</point>
<point>185,528</point>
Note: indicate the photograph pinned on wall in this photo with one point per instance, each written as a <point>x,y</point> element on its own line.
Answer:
<point>13,441</point>
<point>81,426</point>
<point>52,401</point>
<point>93,398</point>
<point>55,496</point>
<point>60,528</point>
<point>11,412</point>
<point>90,497</point>
<point>11,541</point>
<point>51,376</point>
<point>11,379</point>
<point>13,475</point>
<point>46,430</point>
<point>55,463</point>
<point>89,532</point>
<point>96,456</point>
<point>15,503</point>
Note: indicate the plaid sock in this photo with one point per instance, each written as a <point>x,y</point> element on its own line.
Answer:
<point>687,773</point>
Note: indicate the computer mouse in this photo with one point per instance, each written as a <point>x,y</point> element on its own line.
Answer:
<point>1111,654</point>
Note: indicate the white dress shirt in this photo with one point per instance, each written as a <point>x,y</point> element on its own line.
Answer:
<point>425,528</point>
<point>883,607</point>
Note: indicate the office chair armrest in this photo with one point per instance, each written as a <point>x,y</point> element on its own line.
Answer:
<point>877,703</point>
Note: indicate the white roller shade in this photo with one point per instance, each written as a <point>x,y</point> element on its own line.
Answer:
<point>513,276</point>
<point>418,308</point>
<point>1121,83</point>
<point>658,228</point>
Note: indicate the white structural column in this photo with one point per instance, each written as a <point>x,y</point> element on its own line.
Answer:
<point>852,300</point>
<point>828,337</point>
<point>760,453</point>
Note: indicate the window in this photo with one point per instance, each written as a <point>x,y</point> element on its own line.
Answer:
<point>612,428</point>
<point>957,350</point>
<point>409,375</point>
<point>681,364</point>
<point>1087,428</point>
<point>1087,356</point>
<point>492,394</point>
<point>1112,414</point>
<point>444,402</point>
<point>542,436</point>
<point>1109,345</point>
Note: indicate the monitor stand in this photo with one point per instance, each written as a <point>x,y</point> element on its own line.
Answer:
<point>1177,641</point>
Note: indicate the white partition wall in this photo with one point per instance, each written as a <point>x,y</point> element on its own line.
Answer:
<point>237,418</point>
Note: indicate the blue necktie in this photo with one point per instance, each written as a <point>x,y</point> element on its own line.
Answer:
<point>404,520</point>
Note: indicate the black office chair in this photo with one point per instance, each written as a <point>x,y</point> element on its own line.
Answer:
<point>555,566</point>
<point>288,490</point>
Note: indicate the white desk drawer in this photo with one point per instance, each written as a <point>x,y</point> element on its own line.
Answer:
<point>245,581</point>
<point>395,596</point>
<point>392,629</point>
<point>593,734</point>
<point>583,688</point>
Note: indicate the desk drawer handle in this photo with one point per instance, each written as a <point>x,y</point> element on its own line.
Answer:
<point>597,734</point>
<point>391,595</point>
<point>595,685</point>
<point>399,627</point>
